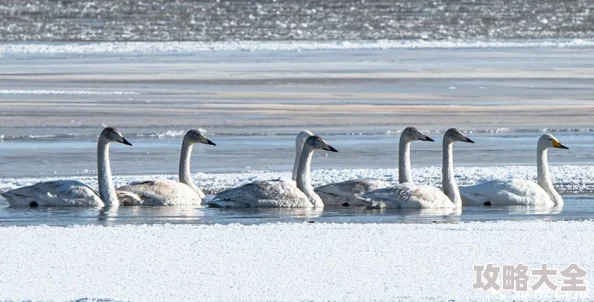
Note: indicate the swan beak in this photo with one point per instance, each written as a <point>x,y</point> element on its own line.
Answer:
<point>209,142</point>
<point>557,144</point>
<point>125,142</point>
<point>467,140</point>
<point>425,138</point>
<point>329,148</point>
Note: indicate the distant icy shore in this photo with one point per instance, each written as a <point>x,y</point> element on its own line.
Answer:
<point>191,46</point>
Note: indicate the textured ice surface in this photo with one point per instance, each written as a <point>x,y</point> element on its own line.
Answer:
<point>342,262</point>
<point>227,20</point>
<point>189,47</point>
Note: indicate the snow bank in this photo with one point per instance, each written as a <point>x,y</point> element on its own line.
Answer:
<point>187,47</point>
<point>343,262</point>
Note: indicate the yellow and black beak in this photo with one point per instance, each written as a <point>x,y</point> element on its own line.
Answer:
<point>559,145</point>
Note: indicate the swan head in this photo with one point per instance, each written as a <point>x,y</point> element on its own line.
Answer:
<point>455,135</point>
<point>302,137</point>
<point>111,134</point>
<point>412,134</point>
<point>549,141</point>
<point>318,143</point>
<point>195,136</point>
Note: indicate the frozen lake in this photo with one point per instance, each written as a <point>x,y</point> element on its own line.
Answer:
<point>54,98</point>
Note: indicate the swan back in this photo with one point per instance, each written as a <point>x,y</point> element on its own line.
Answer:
<point>408,195</point>
<point>348,193</point>
<point>158,193</point>
<point>54,193</point>
<point>269,193</point>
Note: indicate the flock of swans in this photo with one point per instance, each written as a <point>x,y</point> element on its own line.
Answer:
<point>299,192</point>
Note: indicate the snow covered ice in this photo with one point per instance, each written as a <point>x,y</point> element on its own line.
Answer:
<point>346,262</point>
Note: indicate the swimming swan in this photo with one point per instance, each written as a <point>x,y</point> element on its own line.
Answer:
<point>278,193</point>
<point>62,193</point>
<point>519,191</point>
<point>166,192</point>
<point>349,192</point>
<point>409,195</point>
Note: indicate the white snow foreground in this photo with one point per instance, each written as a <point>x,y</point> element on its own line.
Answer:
<point>342,262</point>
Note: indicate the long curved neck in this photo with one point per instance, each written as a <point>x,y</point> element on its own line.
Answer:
<point>298,152</point>
<point>404,173</point>
<point>543,176</point>
<point>107,191</point>
<point>184,164</point>
<point>304,179</point>
<point>450,188</point>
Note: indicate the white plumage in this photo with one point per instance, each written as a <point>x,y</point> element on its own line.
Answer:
<point>167,192</point>
<point>65,193</point>
<point>278,193</point>
<point>409,195</point>
<point>54,193</point>
<point>348,193</point>
<point>268,193</point>
<point>506,192</point>
<point>158,193</point>
<point>518,191</point>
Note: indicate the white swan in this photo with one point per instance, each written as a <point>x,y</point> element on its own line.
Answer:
<point>519,191</point>
<point>408,195</point>
<point>278,193</point>
<point>166,192</point>
<point>349,192</point>
<point>72,192</point>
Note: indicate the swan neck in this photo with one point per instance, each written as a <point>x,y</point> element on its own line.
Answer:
<point>404,173</point>
<point>304,178</point>
<point>450,188</point>
<point>185,176</point>
<point>107,190</point>
<point>298,151</point>
<point>543,176</point>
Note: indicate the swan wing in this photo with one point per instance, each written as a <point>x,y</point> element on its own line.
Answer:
<point>268,193</point>
<point>54,193</point>
<point>348,192</point>
<point>158,193</point>
<point>506,192</point>
<point>408,195</point>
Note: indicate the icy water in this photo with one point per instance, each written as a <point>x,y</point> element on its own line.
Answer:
<point>575,208</point>
<point>54,98</point>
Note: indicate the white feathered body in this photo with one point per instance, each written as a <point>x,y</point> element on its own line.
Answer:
<point>61,193</point>
<point>158,193</point>
<point>268,193</point>
<point>348,192</point>
<point>408,196</point>
<point>506,192</point>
